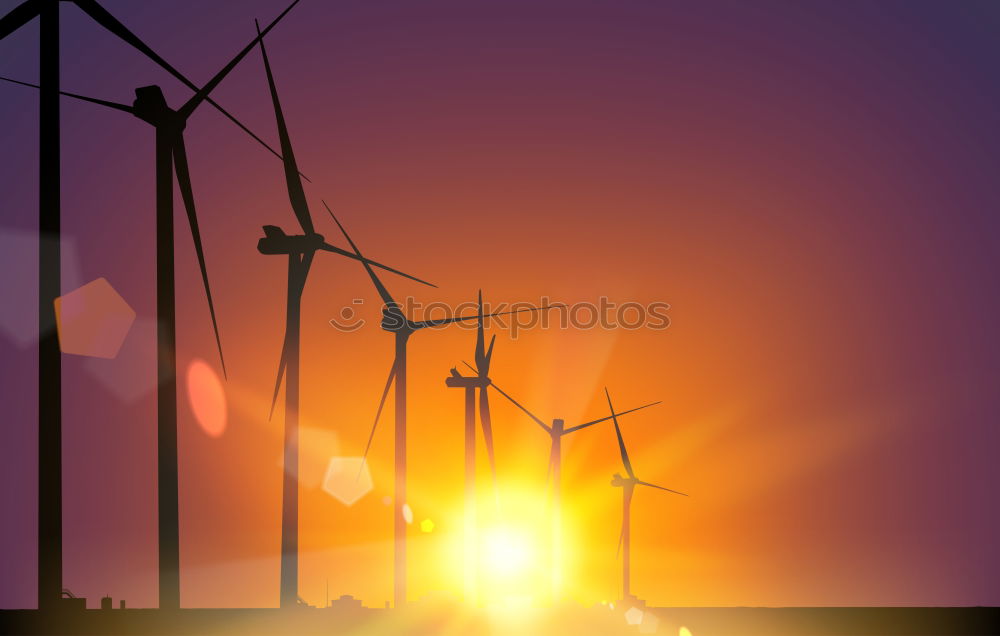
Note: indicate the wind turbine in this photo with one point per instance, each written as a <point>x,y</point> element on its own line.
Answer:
<point>49,284</point>
<point>396,322</point>
<point>556,432</point>
<point>171,159</point>
<point>300,250</point>
<point>627,484</point>
<point>480,381</point>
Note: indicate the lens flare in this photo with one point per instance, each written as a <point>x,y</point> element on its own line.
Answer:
<point>206,397</point>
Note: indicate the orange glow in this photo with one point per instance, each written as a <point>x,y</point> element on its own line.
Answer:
<point>507,552</point>
<point>206,397</point>
<point>830,330</point>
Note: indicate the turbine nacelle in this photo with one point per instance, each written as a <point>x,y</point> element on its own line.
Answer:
<point>151,106</point>
<point>621,482</point>
<point>275,241</point>
<point>456,379</point>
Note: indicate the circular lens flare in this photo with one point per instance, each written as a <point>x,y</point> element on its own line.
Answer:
<point>206,397</point>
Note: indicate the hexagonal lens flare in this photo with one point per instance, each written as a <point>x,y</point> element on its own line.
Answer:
<point>18,311</point>
<point>93,320</point>
<point>633,616</point>
<point>650,623</point>
<point>347,479</point>
<point>132,374</point>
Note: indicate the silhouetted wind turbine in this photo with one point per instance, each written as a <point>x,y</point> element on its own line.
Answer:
<point>479,381</point>
<point>556,432</point>
<point>300,250</point>
<point>395,322</point>
<point>49,284</point>
<point>627,484</point>
<point>171,159</point>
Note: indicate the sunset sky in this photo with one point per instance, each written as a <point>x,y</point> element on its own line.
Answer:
<point>811,186</point>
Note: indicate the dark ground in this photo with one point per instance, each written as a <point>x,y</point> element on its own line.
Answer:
<point>701,621</point>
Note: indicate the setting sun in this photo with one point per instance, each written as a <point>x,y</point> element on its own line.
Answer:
<point>507,552</point>
<point>524,317</point>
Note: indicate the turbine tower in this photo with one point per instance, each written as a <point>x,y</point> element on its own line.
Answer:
<point>170,160</point>
<point>396,322</point>
<point>480,381</point>
<point>627,484</point>
<point>556,432</point>
<point>300,250</point>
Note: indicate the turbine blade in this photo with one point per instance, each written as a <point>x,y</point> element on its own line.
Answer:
<point>382,291</point>
<point>608,417</point>
<point>252,134</point>
<point>307,259</point>
<point>544,426</point>
<point>646,483</point>
<point>18,17</point>
<point>489,355</point>
<point>296,194</point>
<point>100,15</point>
<point>202,94</point>
<point>184,184</point>
<point>109,22</point>
<point>448,321</point>
<point>480,355</point>
<point>487,424</point>
<point>326,247</point>
<point>381,404</point>
<point>621,440</point>
<point>296,281</point>
<point>282,363</point>
<point>84,98</point>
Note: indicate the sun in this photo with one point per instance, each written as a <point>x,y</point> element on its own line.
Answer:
<point>507,552</point>
<point>511,568</point>
<point>498,553</point>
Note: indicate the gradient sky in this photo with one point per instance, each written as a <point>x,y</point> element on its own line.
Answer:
<point>812,186</point>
